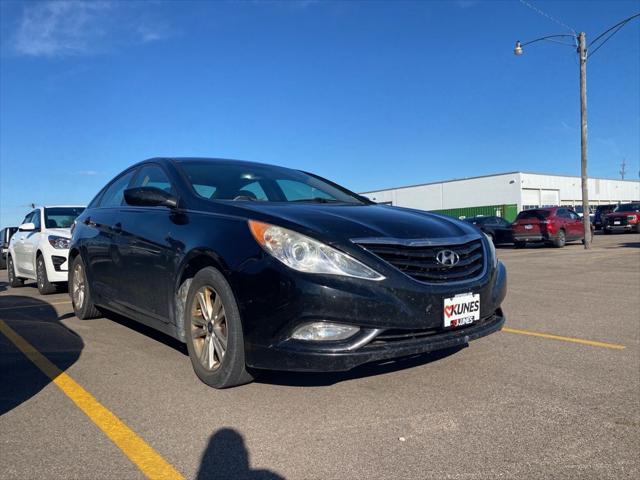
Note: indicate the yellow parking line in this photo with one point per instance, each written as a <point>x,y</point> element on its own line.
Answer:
<point>134,447</point>
<point>591,343</point>
<point>41,305</point>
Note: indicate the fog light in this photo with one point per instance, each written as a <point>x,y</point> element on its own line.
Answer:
<point>323,331</point>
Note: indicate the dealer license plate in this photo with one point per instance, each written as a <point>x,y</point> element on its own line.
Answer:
<point>462,309</point>
<point>528,227</point>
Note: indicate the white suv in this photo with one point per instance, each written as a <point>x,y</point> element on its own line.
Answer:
<point>40,247</point>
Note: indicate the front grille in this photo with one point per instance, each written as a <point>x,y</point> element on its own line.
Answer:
<point>420,262</point>
<point>622,220</point>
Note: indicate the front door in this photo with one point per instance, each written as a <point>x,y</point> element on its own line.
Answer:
<point>148,249</point>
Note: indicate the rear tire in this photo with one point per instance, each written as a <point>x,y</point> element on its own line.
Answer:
<point>80,292</point>
<point>213,331</point>
<point>560,240</point>
<point>14,281</point>
<point>518,244</point>
<point>606,231</point>
<point>42,279</point>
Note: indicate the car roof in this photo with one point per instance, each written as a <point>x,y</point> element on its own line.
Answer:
<point>204,160</point>
<point>61,206</point>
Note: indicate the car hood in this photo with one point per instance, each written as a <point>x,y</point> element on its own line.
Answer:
<point>347,222</point>
<point>61,232</point>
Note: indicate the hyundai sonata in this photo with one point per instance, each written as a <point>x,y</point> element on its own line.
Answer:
<point>262,267</point>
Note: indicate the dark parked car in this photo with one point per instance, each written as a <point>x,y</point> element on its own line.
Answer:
<point>497,228</point>
<point>262,267</point>
<point>601,213</point>
<point>5,235</point>
<point>625,218</point>
<point>553,225</point>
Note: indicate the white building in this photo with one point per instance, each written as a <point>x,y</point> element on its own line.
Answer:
<point>506,194</point>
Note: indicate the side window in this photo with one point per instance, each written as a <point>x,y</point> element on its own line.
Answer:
<point>36,218</point>
<point>253,190</point>
<point>294,190</point>
<point>574,215</point>
<point>152,176</point>
<point>114,195</point>
<point>562,213</point>
<point>27,219</point>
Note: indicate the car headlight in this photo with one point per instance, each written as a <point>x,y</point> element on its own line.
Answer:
<point>305,254</point>
<point>61,243</point>
<point>492,251</point>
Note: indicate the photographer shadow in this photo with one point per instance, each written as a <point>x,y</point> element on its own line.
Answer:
<point>226,456</point>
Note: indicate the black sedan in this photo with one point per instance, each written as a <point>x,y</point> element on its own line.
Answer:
<point>262,267</point>
<point>497,228</point>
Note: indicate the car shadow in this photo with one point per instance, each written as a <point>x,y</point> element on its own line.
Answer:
<point>323,379</point>
<point>227,456</point>
<point>147,331</point>
<point>299,379</point>
<point>38,323</point>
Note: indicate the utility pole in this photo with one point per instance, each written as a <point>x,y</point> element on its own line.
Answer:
<point>586,220</point>
<point>623,168</point>
<point>581,41</point>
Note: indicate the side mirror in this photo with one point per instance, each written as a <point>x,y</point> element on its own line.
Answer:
<point>27,227</point>
<point>149,197</point>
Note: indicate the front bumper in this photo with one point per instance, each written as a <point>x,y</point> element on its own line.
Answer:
<point>57,266</point>
<point>621,228</point>
<point>302,358</point>
<point>380,309</point>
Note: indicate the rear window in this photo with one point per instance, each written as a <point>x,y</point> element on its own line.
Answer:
<point>537,214</point>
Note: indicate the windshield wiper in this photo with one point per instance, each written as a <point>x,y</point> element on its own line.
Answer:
<point>318,200</point>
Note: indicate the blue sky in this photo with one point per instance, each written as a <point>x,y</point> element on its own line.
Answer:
<point>369,94</point>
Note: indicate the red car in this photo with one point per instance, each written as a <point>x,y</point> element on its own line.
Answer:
<point>625,218</point>
<point>553,225</point>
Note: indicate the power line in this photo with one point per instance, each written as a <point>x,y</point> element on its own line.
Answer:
<point>544,14</point>
<point>613,31</point>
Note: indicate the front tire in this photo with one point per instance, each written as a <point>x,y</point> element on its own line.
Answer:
<point>80,292</point>
<point>213,331</point>
<point>14,281</point>
<point>560,240</point>
<point>42,279</point>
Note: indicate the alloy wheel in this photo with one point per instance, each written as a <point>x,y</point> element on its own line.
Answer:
<point>209,328</point>
<point>78,287</point>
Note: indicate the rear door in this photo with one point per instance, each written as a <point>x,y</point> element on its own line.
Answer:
<point>101,247</point>
<point>576,225</point>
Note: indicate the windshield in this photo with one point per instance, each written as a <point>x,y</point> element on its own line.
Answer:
<point>262,183</point>
<point>61,217</point>
<point>630,207</point>
<point>528,214</point>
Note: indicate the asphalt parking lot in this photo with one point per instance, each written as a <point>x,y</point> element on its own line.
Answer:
<point>555,395</point>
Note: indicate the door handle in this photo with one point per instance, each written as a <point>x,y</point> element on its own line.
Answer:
<point>117,228</point>
<point>87,221</point>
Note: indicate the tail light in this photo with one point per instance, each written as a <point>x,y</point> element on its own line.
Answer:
<point>632,218</point>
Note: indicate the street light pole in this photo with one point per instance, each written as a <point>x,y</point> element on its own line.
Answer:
<point>586,220</point>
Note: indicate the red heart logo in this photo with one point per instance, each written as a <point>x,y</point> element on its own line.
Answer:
<point>448,311</point>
